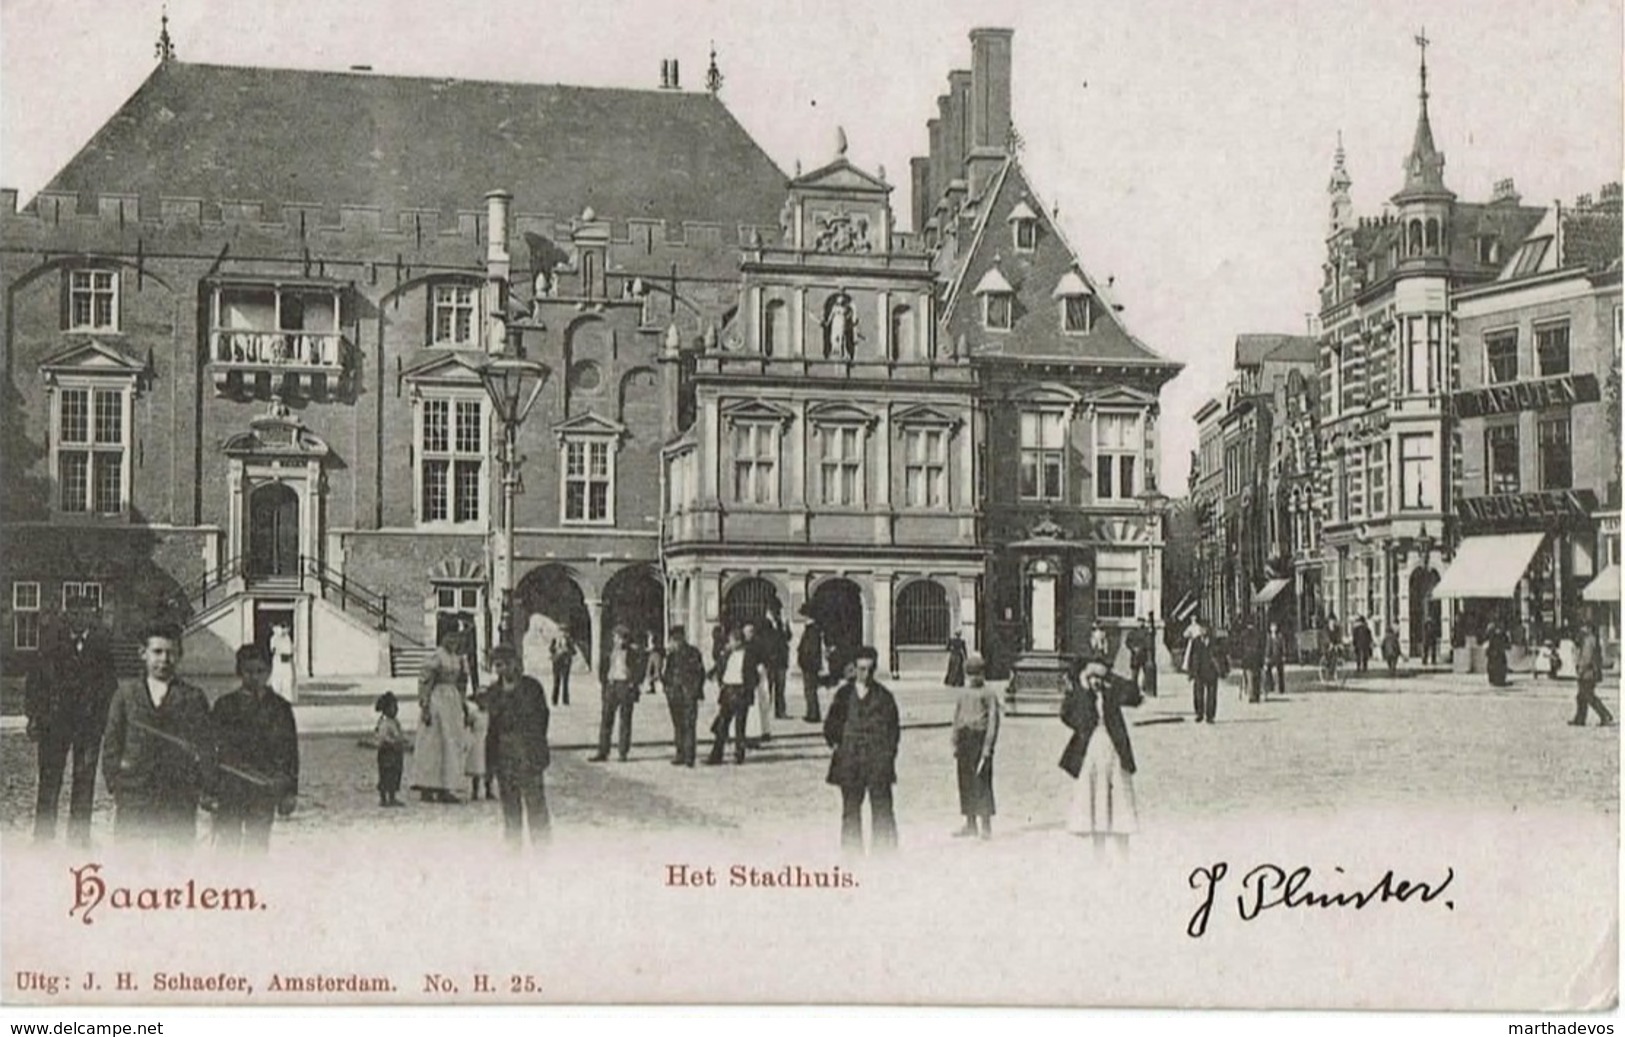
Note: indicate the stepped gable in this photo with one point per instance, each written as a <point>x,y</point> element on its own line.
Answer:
<point>328,139</point>
<point>1034,277</point>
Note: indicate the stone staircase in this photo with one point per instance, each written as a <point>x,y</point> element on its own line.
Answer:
<point>406,660</point>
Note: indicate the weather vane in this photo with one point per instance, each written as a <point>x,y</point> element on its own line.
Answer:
<point>165,50</point>
<point>713,75</point>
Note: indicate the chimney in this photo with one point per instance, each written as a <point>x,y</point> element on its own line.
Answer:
<point>920,193</point>
<point>1609,196</point>
<point>668,74</point>
<point>938,162</point>
<point>958,137</point>
<point>1505,191</point>
<point>989,104</point>
<point>498,267</point>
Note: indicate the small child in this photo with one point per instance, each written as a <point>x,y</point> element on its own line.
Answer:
<point>391,750</point>
<point>474,762</point>
<point>975,732</point>
<point>257,746</point>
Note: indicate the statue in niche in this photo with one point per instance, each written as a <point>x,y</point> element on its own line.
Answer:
<point>840,328</point>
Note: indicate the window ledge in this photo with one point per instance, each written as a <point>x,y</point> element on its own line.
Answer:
<point>588,523</point>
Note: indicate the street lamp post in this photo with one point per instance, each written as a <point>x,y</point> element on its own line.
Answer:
<point>513,384</point>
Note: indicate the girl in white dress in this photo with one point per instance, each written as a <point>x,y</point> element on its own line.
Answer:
<point>282,680</point>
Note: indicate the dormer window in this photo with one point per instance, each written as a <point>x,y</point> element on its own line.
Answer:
<point>998,301</point>
<point>1024,227</point>
<point>1077,304</point>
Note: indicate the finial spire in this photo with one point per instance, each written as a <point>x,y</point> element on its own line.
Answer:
<point>165,50</point>
<point>1422,42</point>
<point>713,75</point>
<point>840,142</point>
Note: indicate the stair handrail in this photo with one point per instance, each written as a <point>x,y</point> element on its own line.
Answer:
<point>212,580</point>
<point>369,601</point>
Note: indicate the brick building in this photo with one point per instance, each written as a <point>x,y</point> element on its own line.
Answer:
<point>243,373</point>
<point>1538,415</point>
<point>246,325</point>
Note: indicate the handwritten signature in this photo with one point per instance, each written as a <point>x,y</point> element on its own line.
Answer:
<point>1270,885</point>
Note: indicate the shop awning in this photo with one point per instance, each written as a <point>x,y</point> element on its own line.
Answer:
<point>1489,566</point>
<point>1605,587</point>
<point>1267,593</point>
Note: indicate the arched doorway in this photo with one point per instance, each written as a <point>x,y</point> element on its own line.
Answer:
<point>552,592</point>
<point>634,598</point>
<point>923,617</point>
<point>748,601</point>
<point>837,604</point>
<point>273,531</point>
<point>1423,607</point>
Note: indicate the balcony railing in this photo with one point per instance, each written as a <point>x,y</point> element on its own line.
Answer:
<point>272,350</point>
<point>258,361</point>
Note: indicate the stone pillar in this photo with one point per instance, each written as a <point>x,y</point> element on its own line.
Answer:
<point>753,329</point>
<point>801,444</point>
<point>969,624</point>
<point>883,326</point>
<point>710,594</point>
<point>236,523</point>
<point>798,322</point>
<point>595,624</point>
<point>882,622</point>
<point>710,451</point>
<point>962,448</point>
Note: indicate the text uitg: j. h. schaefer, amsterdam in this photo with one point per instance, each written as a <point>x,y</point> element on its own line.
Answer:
<point>1269,886</point>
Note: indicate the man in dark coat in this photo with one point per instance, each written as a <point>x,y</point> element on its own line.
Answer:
<point>157,754</point>
<point>776,648</point>
<point>255,736</point>
<point>810,661</point>
<point>1588,673</point>
<point>683,675</point>
<point>1202,665</point>
<point>1275,660</point>
<point>1362,644</point>
<point>519,722</point>
<point>67,697</point>
<point>739,674</point>
<point>619,678</point>
<point>863,727</point>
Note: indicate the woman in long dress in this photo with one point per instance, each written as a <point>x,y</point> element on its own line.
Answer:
<point>282,680</point>
<point>955,677</point>
<point>1099,755</point>
<point>1495,656</point>
<point>437,754</point>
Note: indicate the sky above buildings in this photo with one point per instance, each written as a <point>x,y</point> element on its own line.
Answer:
<point>1186,143</point>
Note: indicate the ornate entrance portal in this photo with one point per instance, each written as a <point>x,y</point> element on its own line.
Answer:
<point>273,531</point>
<point>276,487</point>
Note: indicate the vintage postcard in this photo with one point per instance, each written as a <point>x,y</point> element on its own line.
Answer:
<point>992,503</point>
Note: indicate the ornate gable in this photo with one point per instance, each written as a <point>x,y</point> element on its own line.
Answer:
<point>840,413</point>
<point>277,433</point>
<point>926,414</point>
<point>1120,396</point>
<point>589,424</point>
<point>446,367</point>
<point>758,410</point>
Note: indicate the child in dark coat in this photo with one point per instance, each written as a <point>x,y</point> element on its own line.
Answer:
<point>391,742</point>
<point>256,747</point>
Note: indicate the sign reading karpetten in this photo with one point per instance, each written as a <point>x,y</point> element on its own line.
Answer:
<point>1560,391</point>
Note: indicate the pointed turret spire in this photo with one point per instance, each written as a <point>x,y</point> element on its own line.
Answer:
<point>1342,213</point>
<point>1424,167</point>
<point>165,50</point>
<point>1341,181</point>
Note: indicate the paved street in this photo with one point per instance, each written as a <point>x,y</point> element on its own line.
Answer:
<point>1419,741</point>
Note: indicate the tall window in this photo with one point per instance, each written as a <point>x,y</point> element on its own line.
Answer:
<point>454,310</point>
<point>1356,483</point>
<point>451,445</point>
<point>1501,356</point>
<point>1118,444</point>
<point>1552,349</point>
<point>1556,453</point>
<point>92,300</point>
<point>756,456</point>
<point>1026,234</point>
<point>1501,458</point>
<point>840,466</point>
<point>1376,480</point>
<point>1418,473</point>
<point>1117,584</point>
<point>25,605</point>
<point>998,310</point>
<point>589,480</point>
<point>925,467</point>
<point>1043,451</point>
<point>91,450</point>
<point>1416,357</point>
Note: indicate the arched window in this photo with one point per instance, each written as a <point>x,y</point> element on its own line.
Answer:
<point>1415,247</point>
<point>776,329</point>
<point>902,334</point>
<point>922,615</point>
<point>1433,237</point>
<point>748,601</point>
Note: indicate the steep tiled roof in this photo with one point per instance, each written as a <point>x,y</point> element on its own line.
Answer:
<point>281,135</point>
<point>1033,277</point>
<point>1252,350</point>
<point>1591,238</point>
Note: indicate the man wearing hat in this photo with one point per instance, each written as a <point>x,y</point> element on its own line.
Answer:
<point>519,722</point>
<point>67,696</point>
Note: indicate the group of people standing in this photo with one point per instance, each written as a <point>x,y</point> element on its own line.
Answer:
<point>163,751</point>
